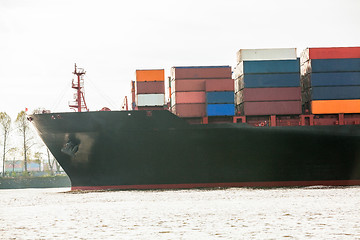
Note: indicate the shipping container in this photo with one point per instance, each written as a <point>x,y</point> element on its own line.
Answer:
<point>220,109</point>
<point>330,53</point>
<point>150,75</point>
<point>191,85</point>
<point>150,100</point>
<point>330,79</point>
<point>269,94</point>
<point>201,72</point>
<point>267,80</point>
<point>266,54</point>
<point>331,65</point>
<point>188,97</point>
<point>335,106</point>
<point>335,93</point>
<point>220,97</point>
<point>150,87</point>
<point>214,85</point>
<point>271,66</point>
<point>270,108</point>
<point>189,110</point>
<point>335,79</point>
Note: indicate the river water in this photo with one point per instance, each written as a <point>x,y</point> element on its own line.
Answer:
<point>236,213</point>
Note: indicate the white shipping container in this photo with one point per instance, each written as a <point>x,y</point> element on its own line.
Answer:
<point>150,100</point>
<point>266,54</point>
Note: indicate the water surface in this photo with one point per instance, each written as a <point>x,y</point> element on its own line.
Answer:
<point>236,213</point>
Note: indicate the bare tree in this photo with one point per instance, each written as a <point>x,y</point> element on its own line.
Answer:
<point>25,131</point>
<point>5,122</point>
<point>51,164</point>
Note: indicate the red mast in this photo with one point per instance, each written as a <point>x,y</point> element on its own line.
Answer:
<point>125,104</point>
<point>79,103</point>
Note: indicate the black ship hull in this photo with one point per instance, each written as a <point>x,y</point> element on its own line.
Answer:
<point>157,150</point>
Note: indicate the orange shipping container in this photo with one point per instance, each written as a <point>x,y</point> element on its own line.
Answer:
<point>150,75</point>
<point>335,106</point>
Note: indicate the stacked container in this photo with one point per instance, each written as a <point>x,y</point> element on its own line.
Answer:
<point>220,103</point>
<point>330,80</point>
<point>267,82</point>
<point>202,91</point>
<point>150,89</point>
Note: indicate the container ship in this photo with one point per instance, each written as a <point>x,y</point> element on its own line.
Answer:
<point>275,120</point>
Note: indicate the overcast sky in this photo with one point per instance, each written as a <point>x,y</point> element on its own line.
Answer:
<point>41,40</point>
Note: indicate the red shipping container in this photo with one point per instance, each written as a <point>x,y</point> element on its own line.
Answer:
<point>271,108</point>
<point>201,72</point>
<point>188,97</point>
<point>221,85</point>
<point>150,87</point>
<point>270,94</point>
<point>189,110</point>
<point>331,52</point>
<point>191,85</point>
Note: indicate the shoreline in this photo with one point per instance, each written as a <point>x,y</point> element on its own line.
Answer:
<point>35,182</point>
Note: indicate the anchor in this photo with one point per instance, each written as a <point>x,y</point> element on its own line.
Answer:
<point>70,148</point>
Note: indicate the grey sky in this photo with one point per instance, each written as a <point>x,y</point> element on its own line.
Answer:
<point>41,40</point>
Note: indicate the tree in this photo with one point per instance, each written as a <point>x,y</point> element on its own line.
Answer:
<point>38,158</point>
<point>25,131</point>
<point>5,122</point>
<point>12,152</point>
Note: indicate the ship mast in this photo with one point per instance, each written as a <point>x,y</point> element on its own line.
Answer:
<point>79,103</point>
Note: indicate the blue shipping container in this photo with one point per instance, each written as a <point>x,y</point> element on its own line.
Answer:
<point>335,93</point>
<point>270,80</point>
<point>271,66</point>
<point>335,65</point>
<point>335,79</point>
<point>220,97</point>
<point>220,109</point>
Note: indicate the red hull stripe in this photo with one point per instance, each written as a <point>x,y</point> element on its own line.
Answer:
<point>226,185</point>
